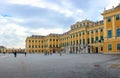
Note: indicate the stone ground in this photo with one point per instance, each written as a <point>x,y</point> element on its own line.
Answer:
<point>55,66</point>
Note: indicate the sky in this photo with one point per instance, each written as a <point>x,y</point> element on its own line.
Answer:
<point>22,18</point>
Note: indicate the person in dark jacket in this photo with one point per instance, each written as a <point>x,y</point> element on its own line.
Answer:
<point>15,54</point>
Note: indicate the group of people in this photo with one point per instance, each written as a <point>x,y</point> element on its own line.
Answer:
<point>15,54</point>
<point>50,53</point>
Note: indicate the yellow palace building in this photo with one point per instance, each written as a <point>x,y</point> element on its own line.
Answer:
<point>83,37</point>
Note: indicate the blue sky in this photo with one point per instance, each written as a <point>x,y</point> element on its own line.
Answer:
<point>22,18</point>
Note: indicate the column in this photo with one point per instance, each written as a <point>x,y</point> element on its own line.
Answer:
<point>86,42</point>
<point>114,28</point>
<point>90,37</point>
<point>105,29</point>
<point>75,44</point>
<point>94,36</point>
<point>99,34</point>
<point>72,44</point>
<point>82,39</point>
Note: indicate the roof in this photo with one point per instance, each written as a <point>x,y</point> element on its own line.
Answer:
<point>117,7</point>
<point>2,47</point>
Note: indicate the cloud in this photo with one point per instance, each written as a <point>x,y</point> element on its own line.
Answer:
<point>65,8</point>
<point>112,3</point>
<point>43,4</point>
<point>22,18</point>
<point>13,35</point>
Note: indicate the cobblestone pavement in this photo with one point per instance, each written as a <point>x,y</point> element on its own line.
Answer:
<point>55,66</point>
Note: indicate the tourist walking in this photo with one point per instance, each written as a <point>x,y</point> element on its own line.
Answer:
<point>15,54</point>
<point>60,53</point>
<point>25,53</point>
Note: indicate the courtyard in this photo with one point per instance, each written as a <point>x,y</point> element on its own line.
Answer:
<point>56,66</point>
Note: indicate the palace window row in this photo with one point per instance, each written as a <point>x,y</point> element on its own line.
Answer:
<point>117,33</point>
<point>117,18</point>
<point>110,46</point>
<point>35,46</point>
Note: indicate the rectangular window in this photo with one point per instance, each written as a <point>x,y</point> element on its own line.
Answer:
<point>88,41</point>
<point>96,30</point>
<point>96,38</point>
<point>109,19</point>
<point>101,48</point>
<point>92,31</point>
<point>77,42</point>
<point>83,41</point>
<point>109,46</point>
<point>117,17</point>
<point>29,40</point>
<point>80,41</point>
<point>79,34</point>
<point>56,45</point>
<point>101,30</point>
<point>118,32</point>
<point>92,40</point>
<point>76,35</point>
<point>101,37</point>
<point>118,46</point>
<point>109,33</point>
<point>83,33</point>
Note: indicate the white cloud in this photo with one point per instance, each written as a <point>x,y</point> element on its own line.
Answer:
<point>43,31</point>
<point>112,3</point>
<point>13,35</point>
<point>66,8</point>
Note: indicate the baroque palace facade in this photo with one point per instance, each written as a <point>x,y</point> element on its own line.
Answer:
<point>83,37</point>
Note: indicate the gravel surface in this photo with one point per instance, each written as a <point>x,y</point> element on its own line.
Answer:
<point>56,66</point>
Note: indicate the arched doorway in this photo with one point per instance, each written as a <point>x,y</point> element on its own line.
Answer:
<point>88,48</point>
<point>96,49</point>
<point>53,50</point>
